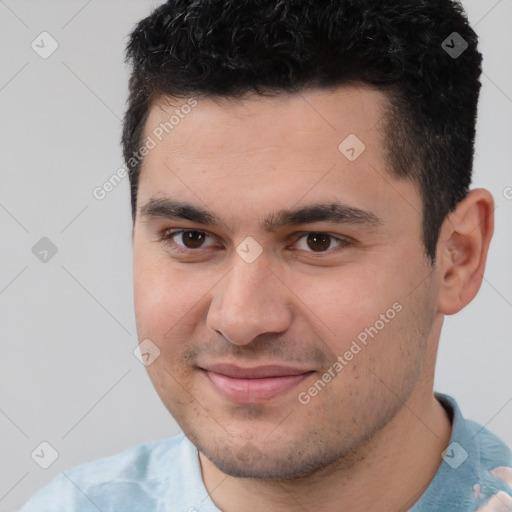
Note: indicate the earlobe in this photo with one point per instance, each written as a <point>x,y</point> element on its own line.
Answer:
<point>462,250</point>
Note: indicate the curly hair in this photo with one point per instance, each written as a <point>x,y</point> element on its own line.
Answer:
<point>228,48</point>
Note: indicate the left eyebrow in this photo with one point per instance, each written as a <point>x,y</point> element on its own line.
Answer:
<point>334,213</point>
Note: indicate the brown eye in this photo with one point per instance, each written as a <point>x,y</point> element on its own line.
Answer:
<point>193,239</point>
<point>315,242</point>
<point>319,242</point>
<point>186,239</point>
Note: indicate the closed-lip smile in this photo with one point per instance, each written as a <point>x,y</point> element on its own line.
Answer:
<point>255,384</point>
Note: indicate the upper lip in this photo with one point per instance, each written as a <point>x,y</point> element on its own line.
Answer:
<point>255,372</point>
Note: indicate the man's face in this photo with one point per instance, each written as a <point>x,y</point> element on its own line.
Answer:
<point>291,331</point>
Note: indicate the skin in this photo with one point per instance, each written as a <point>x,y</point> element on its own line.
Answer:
<point>372,438</point>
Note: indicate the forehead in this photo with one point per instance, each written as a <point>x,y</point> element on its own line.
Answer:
<point>302,131</point>
<point>245,159</point>
<point>295,118</point>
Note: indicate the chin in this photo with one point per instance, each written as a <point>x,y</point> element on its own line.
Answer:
<point>273,461</point>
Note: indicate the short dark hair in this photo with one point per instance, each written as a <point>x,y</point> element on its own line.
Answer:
<point>408,49</point>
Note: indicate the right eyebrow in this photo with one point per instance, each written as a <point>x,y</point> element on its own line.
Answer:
<point>169,208</point>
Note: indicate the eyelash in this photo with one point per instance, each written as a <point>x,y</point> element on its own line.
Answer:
<point>168,236</point>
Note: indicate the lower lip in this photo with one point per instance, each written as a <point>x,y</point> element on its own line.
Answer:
<point>253,390</point>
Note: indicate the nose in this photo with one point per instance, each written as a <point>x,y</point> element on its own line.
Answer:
<point>249,302</point>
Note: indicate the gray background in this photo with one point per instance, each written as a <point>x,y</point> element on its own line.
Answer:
<point>68,375</point>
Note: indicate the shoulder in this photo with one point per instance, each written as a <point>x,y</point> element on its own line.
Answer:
<point>484,449</point>
<point>478,467</point>
<point>494,487</point>
<point>135,479</point>
<point>493,451</point>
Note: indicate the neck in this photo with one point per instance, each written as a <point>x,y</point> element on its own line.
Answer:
<point>389,473</point>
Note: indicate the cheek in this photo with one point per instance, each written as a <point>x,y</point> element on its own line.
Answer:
<point>170,299</point>
<point>343,302</point>
<point>160,297</point>
<point>165,314</point>
<point>363,314</point>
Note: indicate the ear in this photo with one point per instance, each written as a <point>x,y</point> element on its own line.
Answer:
<point>462,250</point>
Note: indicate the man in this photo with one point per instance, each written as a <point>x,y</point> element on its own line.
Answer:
<point>300,176</point>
